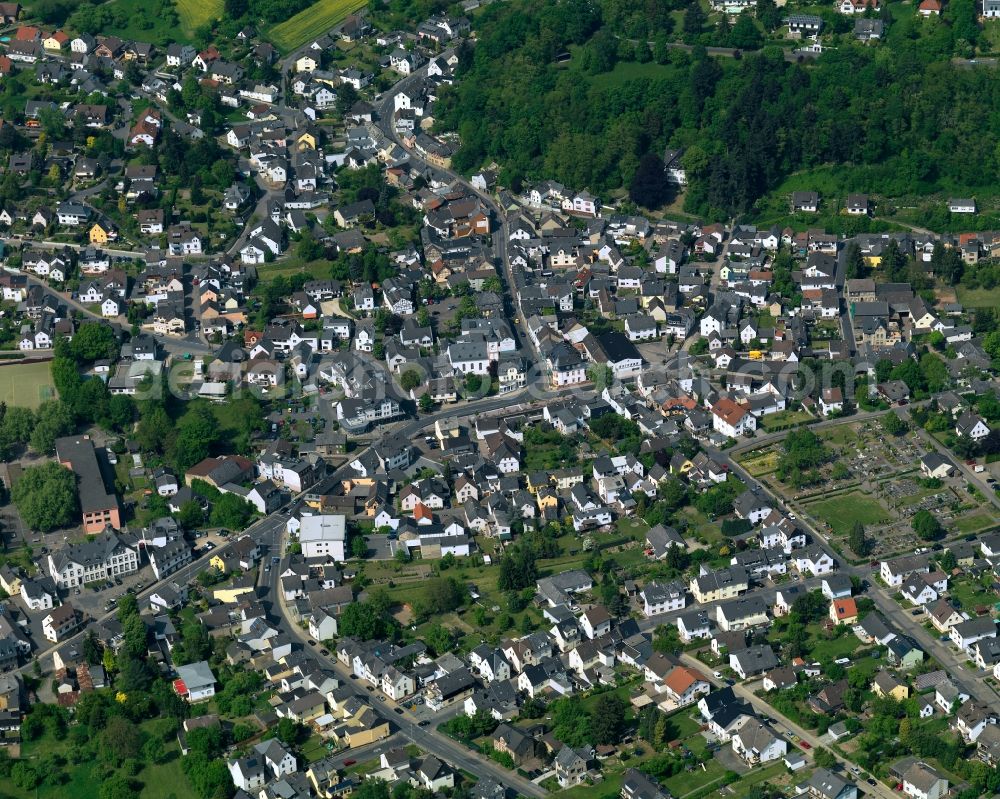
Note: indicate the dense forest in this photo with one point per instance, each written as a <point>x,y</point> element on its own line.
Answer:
<point>902,118</point>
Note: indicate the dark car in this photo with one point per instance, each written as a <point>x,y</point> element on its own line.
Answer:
<point>398,711</point>
<point>423,723</point>
<point>324,652</point>
<point>871,781</point>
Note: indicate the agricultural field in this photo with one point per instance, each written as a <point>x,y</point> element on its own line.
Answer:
<point>195,13</point>
<point>26,384</point>
<point>311,22</point>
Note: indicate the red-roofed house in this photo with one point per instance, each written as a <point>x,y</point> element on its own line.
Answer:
<point>844,611</point>
<point>684,686</point>
<point>422,514</point>
<point>732,419</point>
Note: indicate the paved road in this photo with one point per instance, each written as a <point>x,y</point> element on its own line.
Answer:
<point>187,343</point>
<point>58,245</point>
<point>405,723</point>
<point>262,529</point>
<point>959,669</point>
<point>764,710</point>
<point>384,109</point>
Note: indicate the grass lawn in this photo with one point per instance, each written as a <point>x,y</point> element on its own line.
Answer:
<point>824,650</point>
<point>632,527</point>
<point>26,384</point>
<point>783,419</point>
<point>974,522</point>
<point>686,726</point>
<point>312,21</point>
<point>979,298</point>
<point>760,463</point>
<point>842,512</point>
<point>688,781</point>
<point>607,789</point>
<point>699,525</point>
<point>163,780</point>
<point>195,13</point>
<point>288,267</point>
<point>840,434</point>
<point>971,595</point>
<point>767,774</point>
<point>314,749</point>
<point>627,71</point>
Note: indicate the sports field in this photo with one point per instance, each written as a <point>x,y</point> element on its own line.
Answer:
<point>310,22</point>
<point>26,384</point>
<point>194,13</point>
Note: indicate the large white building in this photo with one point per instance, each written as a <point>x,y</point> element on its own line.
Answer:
<point>322,536</point>
<point>106,556</point>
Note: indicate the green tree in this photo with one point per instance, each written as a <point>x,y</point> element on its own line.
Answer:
<point>607,718</point>
<point>231,511</point>
<point>650,187</point>
<point>120,740</point>
<point>155,431</point>
<point>926,525</point>
<point>473,383</point>
<point>93,341</point>
<point>409,380</point>
<point>197,432</point>
<point>289,731</point>
<point>517,569</point>
<point>694,19</point>
<point>768,14</point>
<point>363,621</point>
<point>52,419</point>
<point>745,33</point>
<point>190,516</point>
<point>372,789</point>
<point>858,541</point>
<point>46,497</point>
<point>443,595</point>
<point>893,425</point>
<point>856,267</point>
<point>15,429</point>
<point>117,787</point>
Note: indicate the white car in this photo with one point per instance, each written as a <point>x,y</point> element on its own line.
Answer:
<point>717,675</point>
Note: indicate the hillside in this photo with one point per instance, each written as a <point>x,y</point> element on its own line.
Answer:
<point>898,118</point>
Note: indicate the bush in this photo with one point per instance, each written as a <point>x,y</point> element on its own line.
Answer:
<point>734,527</point>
